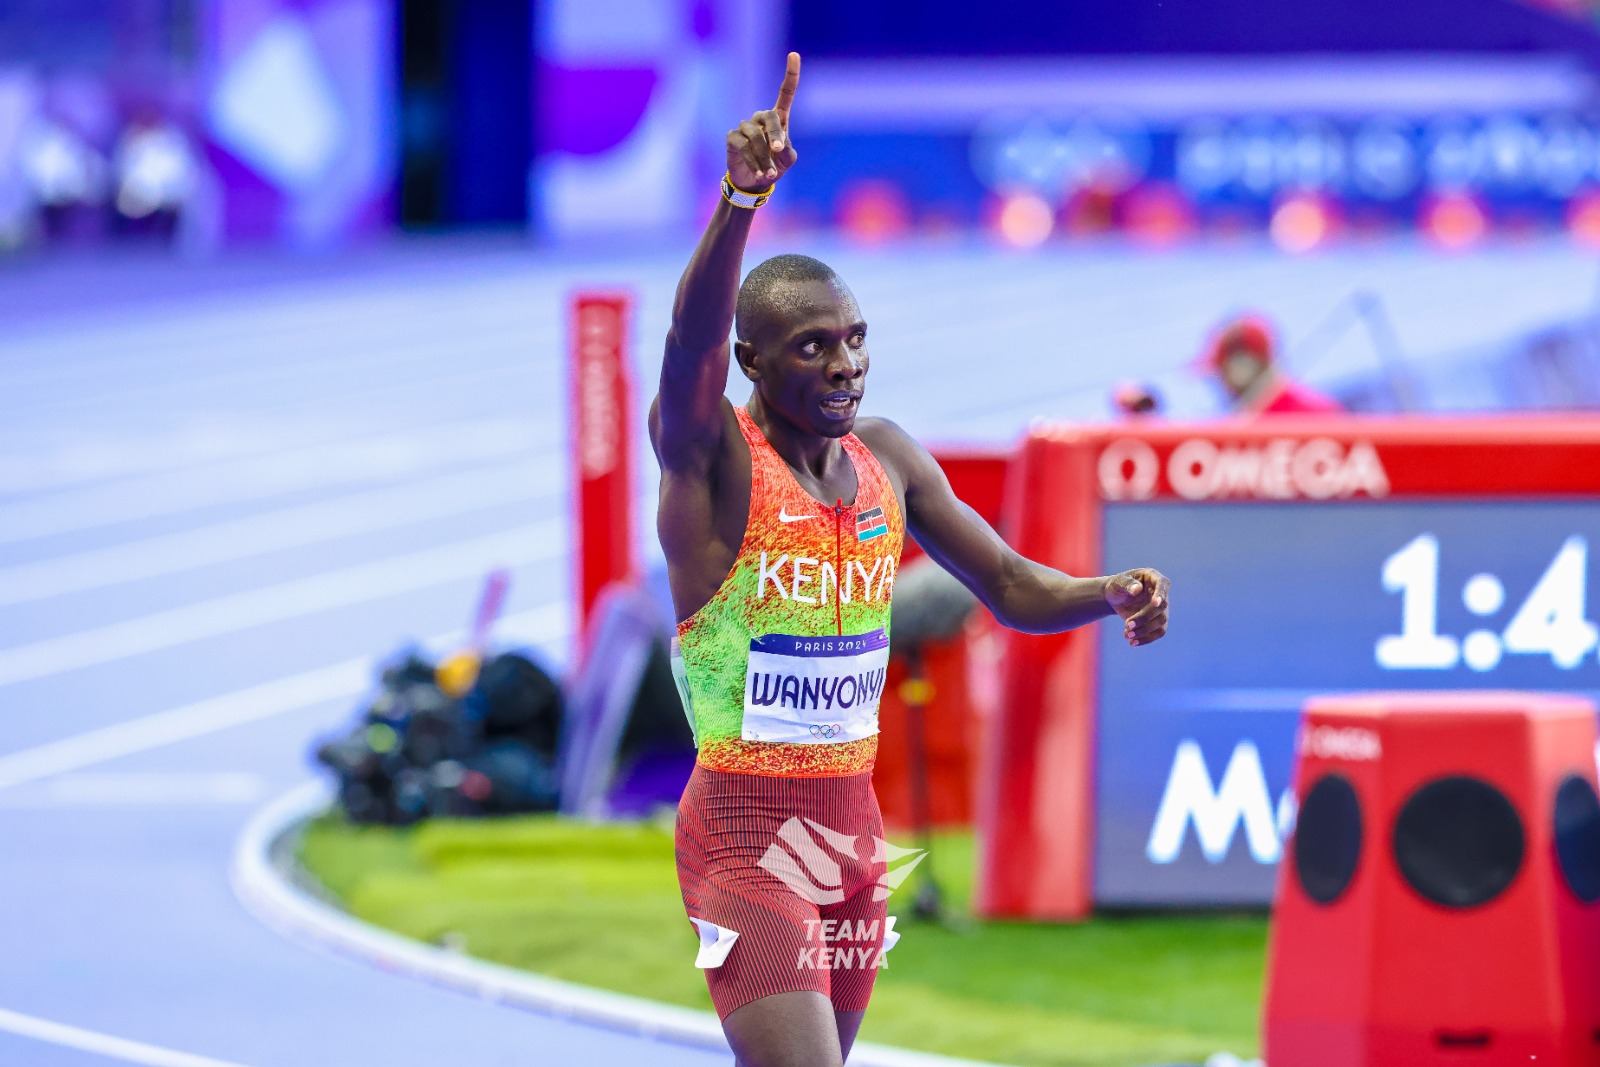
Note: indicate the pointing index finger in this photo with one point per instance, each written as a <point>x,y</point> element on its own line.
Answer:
<point>791,82</point>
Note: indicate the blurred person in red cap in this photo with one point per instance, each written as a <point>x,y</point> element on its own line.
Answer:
<point>1242,355</point>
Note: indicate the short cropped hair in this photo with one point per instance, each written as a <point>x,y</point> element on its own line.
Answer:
<point>759,296</point>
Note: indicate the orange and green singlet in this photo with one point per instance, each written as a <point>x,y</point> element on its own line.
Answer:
<point>781,671</point>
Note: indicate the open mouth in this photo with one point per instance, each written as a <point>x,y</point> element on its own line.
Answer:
<point>840,403</point>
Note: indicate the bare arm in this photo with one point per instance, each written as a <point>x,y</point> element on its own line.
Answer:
<point>1021,594</point>
<point>687,422</point>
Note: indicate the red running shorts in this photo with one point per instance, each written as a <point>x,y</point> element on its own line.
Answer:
<point>781,880</point>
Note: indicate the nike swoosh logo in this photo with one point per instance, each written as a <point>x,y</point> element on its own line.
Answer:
<point>784,516</point>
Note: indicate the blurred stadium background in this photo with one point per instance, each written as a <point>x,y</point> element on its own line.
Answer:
<point>286,344</point>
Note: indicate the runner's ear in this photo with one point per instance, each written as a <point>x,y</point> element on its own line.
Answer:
<point>745,353</point>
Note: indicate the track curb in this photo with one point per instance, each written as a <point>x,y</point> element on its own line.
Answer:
<point>262,882</point>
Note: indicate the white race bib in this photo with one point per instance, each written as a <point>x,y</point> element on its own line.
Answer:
<point>814,690</point>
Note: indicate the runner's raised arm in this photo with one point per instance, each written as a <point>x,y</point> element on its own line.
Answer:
<point>694,374</point>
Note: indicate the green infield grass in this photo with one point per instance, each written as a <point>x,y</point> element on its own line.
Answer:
<point>599,904</point>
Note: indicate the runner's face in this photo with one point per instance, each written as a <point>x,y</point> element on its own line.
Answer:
<point>812,366</point>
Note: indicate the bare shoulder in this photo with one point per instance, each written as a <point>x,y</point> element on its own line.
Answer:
<point>902,456</point>
<point>877,432</point>
<point>895,448</point>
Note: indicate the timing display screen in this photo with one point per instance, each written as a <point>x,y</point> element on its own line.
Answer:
<point>1277,602</point>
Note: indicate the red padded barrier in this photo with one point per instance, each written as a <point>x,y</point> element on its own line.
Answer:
<point>978,477</point>
<point>958,712</point>
<point>1035,794</point>
<point>950,728</point>
<point>1418,940</point>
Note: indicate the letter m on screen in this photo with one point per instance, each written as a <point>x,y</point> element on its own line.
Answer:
<point>1216,812</point>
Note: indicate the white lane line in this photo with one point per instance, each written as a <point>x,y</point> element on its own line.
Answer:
<point>93,452</point>
<point>251,417</point>
<point>455,493</point>
<point>139,789</point>
<point>288,909</point>
<point>262,887</point>
<point>195,333</point>
<point>387,325</point>
<point>337,681</point>
<point>515,547</point>
<point>373,458</point>
<point>118,1048</point>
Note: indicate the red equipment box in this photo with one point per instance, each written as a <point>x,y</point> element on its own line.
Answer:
<point>1437,904</point>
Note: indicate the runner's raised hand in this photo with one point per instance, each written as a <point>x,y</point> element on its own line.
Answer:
<point>760,151</point>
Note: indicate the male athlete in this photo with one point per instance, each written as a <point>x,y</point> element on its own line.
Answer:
<point>782,523</point>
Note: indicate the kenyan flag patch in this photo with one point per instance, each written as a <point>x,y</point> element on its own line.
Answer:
<point>870,524</point>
